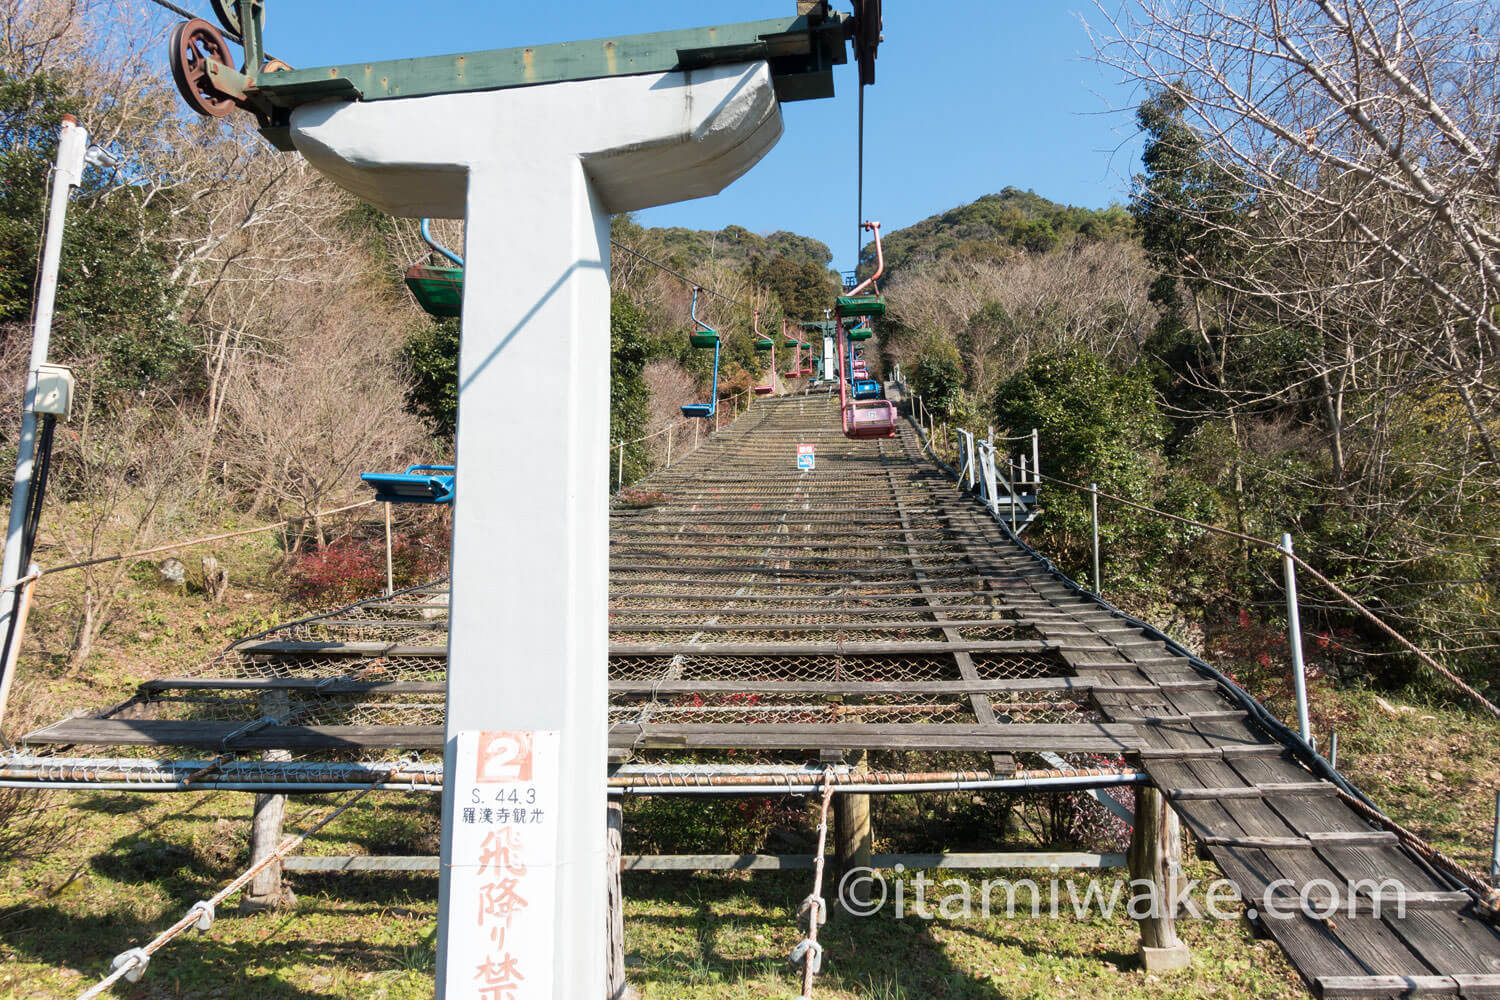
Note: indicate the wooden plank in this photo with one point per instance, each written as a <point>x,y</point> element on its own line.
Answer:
<point>359,863</point>
<point>716,862</point>
<point>1188,718</point>
<point>1211,753</point>
<point>324,685</point>
<point>270,647</point>
<point>1253,791</point>
<point>979,704</point>
<point>887,625</point>
<point>1305,842</point>
<point>160,732</point>
<point>1433,924</point>
<point>909,736</point>
<point>382,649</point>
<point>1352,987</point>
<point>1000,859</point>
<point>1065,685</point>
<point>915,648</point>
<point>1018,737</point>
<point>1369,942</point>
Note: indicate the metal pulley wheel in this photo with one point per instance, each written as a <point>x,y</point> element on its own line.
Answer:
<point>193,45</point>
<point>228,13</point>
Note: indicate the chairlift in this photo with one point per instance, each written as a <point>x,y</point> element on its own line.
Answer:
<point>438,290</point>
<point>766,344</point>
<point>863,418</point>
<point>807,359</point>
<point>418,484</point>
<point>705,337</point>
<point>796,348</point>
<point>861,332</point>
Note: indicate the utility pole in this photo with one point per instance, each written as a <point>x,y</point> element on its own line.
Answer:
<point>72,147</point>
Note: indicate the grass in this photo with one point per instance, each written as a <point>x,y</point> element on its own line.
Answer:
<point>127,865</point>
<point>137,862</point>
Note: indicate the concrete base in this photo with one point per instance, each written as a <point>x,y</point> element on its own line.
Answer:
<point>282,899</point>
<point>1165,959</point>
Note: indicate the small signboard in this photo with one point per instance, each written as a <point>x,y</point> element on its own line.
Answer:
<point>504,872</point>
<point>805,457</point>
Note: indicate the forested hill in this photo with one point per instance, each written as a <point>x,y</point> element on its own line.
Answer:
<point>792,267</point>
<point>993,226</point>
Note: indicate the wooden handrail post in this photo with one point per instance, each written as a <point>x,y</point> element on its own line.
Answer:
<point>1155,846</point>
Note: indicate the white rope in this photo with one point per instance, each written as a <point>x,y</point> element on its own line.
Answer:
<point>808,952</point>
<point>131,965</point>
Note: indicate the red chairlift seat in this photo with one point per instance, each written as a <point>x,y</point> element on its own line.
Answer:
<point>868,419</point>
<point>766,344</point>
<point>863,419</point>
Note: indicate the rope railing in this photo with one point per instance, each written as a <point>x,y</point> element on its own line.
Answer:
<point>1287,552</point>
<point>808,952</point>
<point>1281,548</point>
<point>1485,892</point>
<point>618,448</point>
<point>185,543</point>
<point>131,965</point>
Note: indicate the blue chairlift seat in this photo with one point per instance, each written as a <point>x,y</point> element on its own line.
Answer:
<point>708,409</point>
<point>867,388</point>
<point>418,484</point>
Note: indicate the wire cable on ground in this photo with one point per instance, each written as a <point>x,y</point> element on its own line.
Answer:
<point>131,965</point>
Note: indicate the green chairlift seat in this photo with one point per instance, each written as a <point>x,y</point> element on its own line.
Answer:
<point>764,344</point>
<point>861,332</point>
<point>861,305</point>
<point>438,290</point>
<point>705,337</point>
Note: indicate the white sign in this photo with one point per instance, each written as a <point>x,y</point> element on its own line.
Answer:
<point>805,457</point>
<point>504,872</point>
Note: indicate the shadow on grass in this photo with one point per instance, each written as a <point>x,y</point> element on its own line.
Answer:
<point>719,928</point>
<point>196,963</point>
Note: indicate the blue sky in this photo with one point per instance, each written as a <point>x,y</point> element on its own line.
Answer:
<point>992,94</point>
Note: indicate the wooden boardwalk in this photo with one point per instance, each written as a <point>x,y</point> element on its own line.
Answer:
<point>866,605</point>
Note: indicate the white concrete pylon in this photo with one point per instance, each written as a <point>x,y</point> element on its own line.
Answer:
<point>537,172</point>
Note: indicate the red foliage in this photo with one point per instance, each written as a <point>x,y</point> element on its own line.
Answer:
<point>354,567</point>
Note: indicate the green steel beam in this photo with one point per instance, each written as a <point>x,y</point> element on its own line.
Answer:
<point>801,51</point>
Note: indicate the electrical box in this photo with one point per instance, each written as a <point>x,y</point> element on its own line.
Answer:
<point>54,390</point>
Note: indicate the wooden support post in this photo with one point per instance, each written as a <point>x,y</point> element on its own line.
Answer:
<point>1155,844</point>
<point>614,910</point>
<point>390,569</point>
<point>268,815</point>
<point>853,838</point>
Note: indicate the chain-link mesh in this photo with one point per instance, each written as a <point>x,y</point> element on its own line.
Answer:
<point>729,551</point>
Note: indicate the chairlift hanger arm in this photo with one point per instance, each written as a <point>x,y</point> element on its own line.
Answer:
<point>801,52</point>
